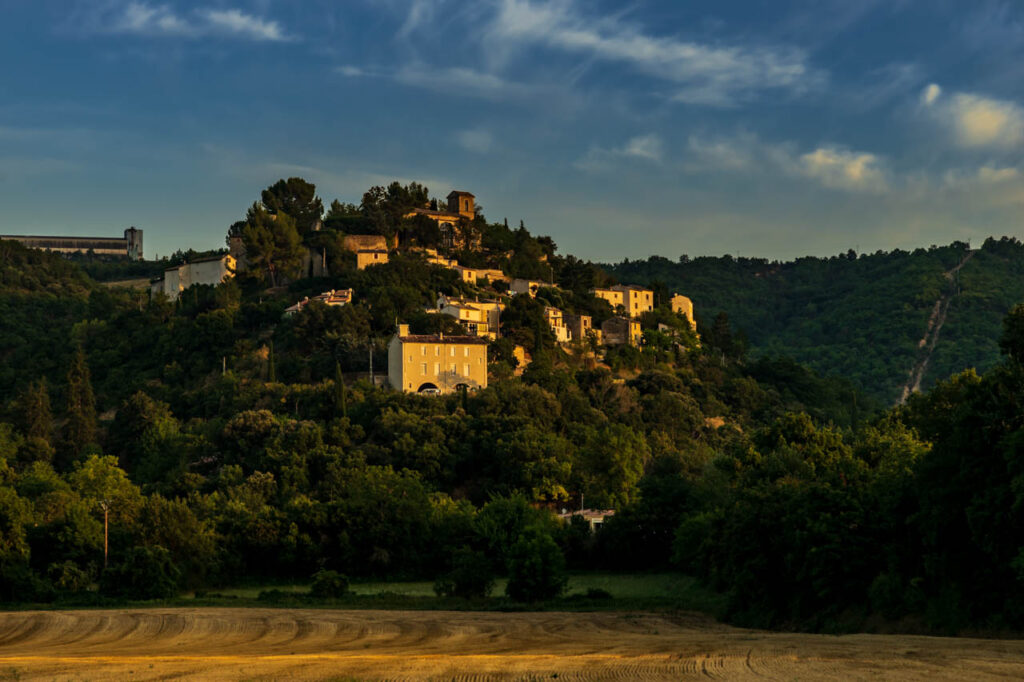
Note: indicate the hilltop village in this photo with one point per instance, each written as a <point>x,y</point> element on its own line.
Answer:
<point>403,388</point>
<point>455,356</point>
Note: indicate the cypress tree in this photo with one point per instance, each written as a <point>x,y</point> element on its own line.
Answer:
<point>340,401</point>
<point>36,417</point>
<point>271,370</point>
<point>81,405</point>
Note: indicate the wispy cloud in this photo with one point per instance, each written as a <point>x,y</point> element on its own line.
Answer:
<point>831,166</point>
<point>476,141</point>
<point>649,148</point>
<point>456,81</point>
<point>156,20</point>
<point>699,73</point>
<point>975,120</point>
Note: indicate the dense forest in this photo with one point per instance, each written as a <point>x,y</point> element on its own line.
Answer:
<point>859,316</point>
<point>222,442</point>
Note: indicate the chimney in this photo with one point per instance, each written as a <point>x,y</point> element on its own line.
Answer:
<point>403,330</point>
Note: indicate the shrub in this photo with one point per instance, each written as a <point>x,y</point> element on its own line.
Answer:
<point>598,593</point>
<point>536,568</point>
<point>66,577</point>
<point>144,573</point>
<point>471,576</point>
<point>328,585</point>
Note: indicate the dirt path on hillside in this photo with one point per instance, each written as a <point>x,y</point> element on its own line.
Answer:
<point>233,644</point>
<point>926,346</point>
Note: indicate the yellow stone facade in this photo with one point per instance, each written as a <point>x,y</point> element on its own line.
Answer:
<point>635,300</point>
<point>436,364</point>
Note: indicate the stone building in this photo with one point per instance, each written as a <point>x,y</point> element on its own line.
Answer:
<point>635,300</point>
<point>619,331</point>
<point>683,306</point>
<point>433,364</point>
<point>480,318</point>
<point>210,271</point>
<point>461,209</point>
<point>129,246</point>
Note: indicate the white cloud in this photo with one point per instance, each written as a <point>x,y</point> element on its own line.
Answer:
<point>463,81</point>
<point>930,94</point>
<point>351,71</point>
<point>990,174</point>
<point>143,18</point>
<point>985,175</point>
<point>723,153</point>
<point>235,22</point>
<point>476,141</point>
<point>843,169</point>
<point>830,166</point>
<point>975,120</point>
<point>648,148</point>
<point>701,73</point>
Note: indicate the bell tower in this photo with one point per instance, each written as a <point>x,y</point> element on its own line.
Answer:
<point>462,203</point>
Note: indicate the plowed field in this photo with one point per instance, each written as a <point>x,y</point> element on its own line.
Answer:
<point>314,644</point>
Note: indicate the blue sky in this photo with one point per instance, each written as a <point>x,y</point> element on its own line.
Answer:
<point>774,128</point>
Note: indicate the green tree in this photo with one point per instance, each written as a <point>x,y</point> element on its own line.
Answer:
<point>1012,339</point>
<point>296,198</point>
<point>536,568</point>
<point>272,244</point>
<point>471,576</point>
<point>80,429</point>
<point>34,408</point>
<point>144,573</point>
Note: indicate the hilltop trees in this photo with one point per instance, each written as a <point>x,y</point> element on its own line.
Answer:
<point>296,198</point>
<point>272,243</point>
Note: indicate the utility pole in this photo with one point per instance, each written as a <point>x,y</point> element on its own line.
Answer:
<point>105,504</point>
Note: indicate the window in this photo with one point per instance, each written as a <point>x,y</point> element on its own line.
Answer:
<point>437,351</point>
<point>465,352</point>
<point>423,350</point>
<point>465,369</point>
<point>452,351</point>
<point>437,368</point>
<point>423,368</point>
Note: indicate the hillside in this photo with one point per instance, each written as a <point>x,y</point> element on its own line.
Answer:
<point>232,442</point>
<point>860,317</point>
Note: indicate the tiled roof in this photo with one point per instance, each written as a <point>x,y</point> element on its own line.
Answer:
<point>435,338</point>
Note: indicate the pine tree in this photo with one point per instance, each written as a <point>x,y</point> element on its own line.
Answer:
<point>80,429</point>
<point>36,417</point>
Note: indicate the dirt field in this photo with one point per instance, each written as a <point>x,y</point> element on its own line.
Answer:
<point>313,644</point>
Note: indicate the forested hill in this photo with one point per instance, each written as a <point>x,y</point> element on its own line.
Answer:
<point>863,316</point>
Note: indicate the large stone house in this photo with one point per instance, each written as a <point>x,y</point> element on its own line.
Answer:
<point>370,249</point>
<point>210,271</point>
<point>635,300</point>
<point>480,318</point>
<point>436,363</point>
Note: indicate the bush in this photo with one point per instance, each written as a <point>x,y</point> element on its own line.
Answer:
<point>536,568</point>
<point>144,573</point>
<point>328,585</point>
<point>598,593</point>
<point>471,576</point>
<point>67,578</point>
